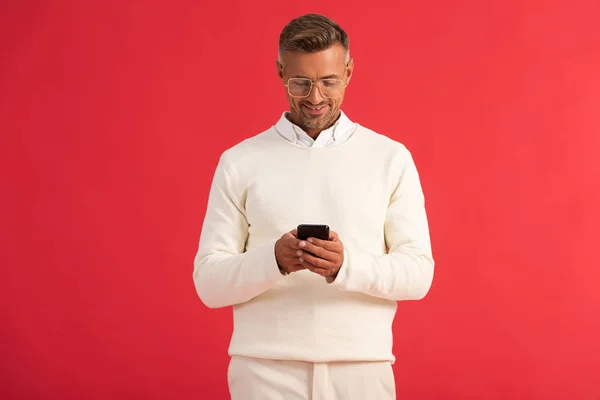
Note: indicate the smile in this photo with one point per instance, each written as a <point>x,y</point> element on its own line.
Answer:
<point>314,110</point>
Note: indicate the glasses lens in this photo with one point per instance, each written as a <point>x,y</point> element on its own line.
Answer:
<point>299,87</point>
<point>331,87</point>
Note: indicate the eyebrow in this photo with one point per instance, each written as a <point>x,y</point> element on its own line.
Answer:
<point>332,76</point>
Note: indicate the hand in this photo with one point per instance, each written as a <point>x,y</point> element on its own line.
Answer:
<point>323,257</point>
<point>287,253</point>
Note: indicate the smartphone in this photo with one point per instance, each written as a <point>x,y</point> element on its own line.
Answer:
<point>306,231</point>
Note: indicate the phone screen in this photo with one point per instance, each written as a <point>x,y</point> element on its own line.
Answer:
<point>306,231</point>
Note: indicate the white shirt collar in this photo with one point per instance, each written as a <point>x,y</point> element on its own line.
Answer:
<point>336,134</point>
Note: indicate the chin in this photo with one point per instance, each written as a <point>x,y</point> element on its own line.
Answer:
<point>316,123</point>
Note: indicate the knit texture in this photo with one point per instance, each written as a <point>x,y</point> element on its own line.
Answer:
<point>367,190</point>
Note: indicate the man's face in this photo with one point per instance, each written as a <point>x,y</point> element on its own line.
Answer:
<point>315,112</point>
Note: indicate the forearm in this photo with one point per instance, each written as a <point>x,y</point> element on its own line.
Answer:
<point>225,273</point>
<point>395,276</point>
<point>222,279</point>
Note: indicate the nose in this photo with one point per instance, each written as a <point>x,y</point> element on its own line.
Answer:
<point>315,96</point>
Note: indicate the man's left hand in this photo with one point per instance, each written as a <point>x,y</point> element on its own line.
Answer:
<point>323,257</point>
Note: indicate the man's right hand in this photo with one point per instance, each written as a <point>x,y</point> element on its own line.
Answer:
<point>287,253</point>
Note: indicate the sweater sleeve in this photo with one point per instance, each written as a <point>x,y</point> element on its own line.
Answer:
<point>224,273</point>
<point>406,271</point>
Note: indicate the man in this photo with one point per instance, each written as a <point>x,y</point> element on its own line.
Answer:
<point>313,318</point>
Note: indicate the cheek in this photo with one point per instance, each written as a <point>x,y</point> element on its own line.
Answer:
<point>293,102</point>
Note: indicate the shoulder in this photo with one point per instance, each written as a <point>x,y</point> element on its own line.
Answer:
<point>247,150</point>
<point>382,145</point>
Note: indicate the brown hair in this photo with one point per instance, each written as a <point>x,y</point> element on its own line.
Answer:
<point>311,33</point>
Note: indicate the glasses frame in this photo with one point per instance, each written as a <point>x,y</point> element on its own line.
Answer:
<point>313,84</point>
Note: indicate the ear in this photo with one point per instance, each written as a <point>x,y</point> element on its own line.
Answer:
<point>349,70</point>
<point>279,69</point>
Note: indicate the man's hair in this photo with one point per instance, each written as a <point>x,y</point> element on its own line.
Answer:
<point>310,33</point>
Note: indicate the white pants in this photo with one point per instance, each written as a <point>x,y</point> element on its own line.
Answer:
<point>258,379</point>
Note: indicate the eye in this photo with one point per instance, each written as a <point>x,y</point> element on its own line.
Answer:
<point>300,83</point>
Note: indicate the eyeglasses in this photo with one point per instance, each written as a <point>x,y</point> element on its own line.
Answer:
<point>302,87</point>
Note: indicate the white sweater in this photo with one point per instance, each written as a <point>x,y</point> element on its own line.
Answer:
<point>367,189</point>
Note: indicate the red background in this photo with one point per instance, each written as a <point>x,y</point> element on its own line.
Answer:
<point>113,115</point>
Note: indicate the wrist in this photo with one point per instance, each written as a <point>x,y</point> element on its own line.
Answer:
<point>331,278</point>
<point>281,270</point>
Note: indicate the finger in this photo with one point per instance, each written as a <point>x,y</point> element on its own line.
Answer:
<point>316,250</point>
<point>293,233</point>
<point>291,241</point>
<point>294,258</point>
<point>292,264</point>
<point>330,245</point>
<point>316,270</point>
<point>297,268</point>
<point>315,261</point>
<point>333,236</point>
